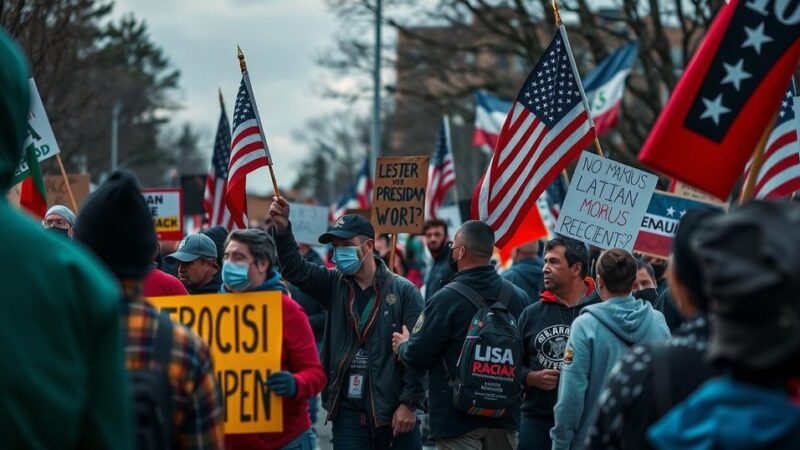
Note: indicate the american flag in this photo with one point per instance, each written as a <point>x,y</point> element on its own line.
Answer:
<point>547,127</point>
<point>442,172</point>
<point>217,180</point>
<point>357,196</point>
<point>779,175</point>
<point>249,151</point>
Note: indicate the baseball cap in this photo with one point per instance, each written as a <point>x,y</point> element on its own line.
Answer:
<point>348,226</point>
<point>193,247</point>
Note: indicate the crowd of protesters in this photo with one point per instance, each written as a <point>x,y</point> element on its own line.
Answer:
<point>699,352</point>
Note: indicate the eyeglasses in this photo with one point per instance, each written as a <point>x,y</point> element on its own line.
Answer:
<point>60,223</point>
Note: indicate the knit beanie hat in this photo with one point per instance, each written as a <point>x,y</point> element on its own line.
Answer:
<point>116,225</point>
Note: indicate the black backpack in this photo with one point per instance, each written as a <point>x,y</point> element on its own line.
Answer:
<point>487,379</point>
<point>152,394</point>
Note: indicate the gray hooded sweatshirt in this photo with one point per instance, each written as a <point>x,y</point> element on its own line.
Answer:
<point>600,336</point>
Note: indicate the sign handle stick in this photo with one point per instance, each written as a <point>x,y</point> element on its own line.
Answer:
<point>66,181</point>
<point>392,251</point>
<point>565,175</point>
<point>755,167</point>
<point>598,148</point>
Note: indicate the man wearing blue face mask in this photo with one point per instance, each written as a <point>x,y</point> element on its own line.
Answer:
<point>370,397</point>
<point>250,264</point>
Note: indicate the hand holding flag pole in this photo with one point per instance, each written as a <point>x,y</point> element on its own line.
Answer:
<point>246,78</point>
<point>557,17</point>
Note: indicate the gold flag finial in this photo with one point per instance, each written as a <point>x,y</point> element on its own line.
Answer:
<point>242,64</point>
<point>556,13</point>
<point>221,102</point>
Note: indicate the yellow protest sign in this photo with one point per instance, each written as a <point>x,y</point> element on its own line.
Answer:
<point>245,333</point>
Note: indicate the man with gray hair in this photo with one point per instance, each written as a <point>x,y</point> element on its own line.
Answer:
<point>440,332</point>
<point>60,219</point>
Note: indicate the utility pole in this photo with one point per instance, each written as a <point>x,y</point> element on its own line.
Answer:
<point>375,135</point>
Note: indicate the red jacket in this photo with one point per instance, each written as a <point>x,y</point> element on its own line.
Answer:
<point>299,356</point>
<point>158,283</point>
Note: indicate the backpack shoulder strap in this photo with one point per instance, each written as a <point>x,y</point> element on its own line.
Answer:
<point>467,292</point>
<point>162,347</point>
<point>506,289</point>
<point>662,383</point>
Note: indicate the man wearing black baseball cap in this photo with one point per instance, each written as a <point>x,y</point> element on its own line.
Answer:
<point>370,396</point>
<point>197,264</point>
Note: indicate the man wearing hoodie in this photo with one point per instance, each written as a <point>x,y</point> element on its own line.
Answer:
<point>62,381</point>
<point>250,265</point>
<point>599,337</point>
<point>545,327</point>
<point>751,261</point>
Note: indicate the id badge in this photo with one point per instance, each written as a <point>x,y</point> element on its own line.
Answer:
<point>355,389</point>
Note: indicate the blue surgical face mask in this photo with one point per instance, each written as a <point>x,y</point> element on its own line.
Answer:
<point>234,275</point>
<point>346,259</point>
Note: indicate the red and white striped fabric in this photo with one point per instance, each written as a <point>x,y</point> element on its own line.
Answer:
<point>214,202</point>
<point>549,124</point>
<point>779,175</point>
<point>249,151</point>
<point>441,172</point>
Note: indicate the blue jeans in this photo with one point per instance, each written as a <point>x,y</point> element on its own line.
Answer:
<point>303,442</point>
<point>353,430</point>
<point>534,434</point>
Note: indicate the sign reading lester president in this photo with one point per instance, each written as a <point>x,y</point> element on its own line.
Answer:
<point>244,332</point>
<point>398,202</point>
<point>605,203</point>
<point>166,207</point>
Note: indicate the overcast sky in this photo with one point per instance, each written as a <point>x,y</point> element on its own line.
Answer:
<point>280,39</point>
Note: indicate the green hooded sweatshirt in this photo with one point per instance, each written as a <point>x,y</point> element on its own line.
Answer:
<point>62,377</point>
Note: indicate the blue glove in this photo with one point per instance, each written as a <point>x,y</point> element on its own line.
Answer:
<point>283,384</point>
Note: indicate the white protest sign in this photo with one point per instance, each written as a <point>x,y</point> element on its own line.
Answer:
<point>166,207</point>
<point>308,222</point>
<point>40,133</point>
<point>605,203</point>
<point>451,215</point>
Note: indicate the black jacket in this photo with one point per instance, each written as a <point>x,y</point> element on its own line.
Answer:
<point>399,303</point>
<point>316,313</point>
<point>666,305</point>
<point>545,327</point>
<point>212,287</point>
<point>647,383</point>
<point>527,275</point>
<point>438,336</point>
<point>439,272</point>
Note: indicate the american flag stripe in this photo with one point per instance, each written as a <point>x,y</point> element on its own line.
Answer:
<point>441,173</point>
<point>548,170</point>
<point>248,151</point>
<point>215,201</point>
<point>547,144</point>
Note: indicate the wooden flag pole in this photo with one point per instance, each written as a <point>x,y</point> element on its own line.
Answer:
<point>392,251</point>
<point>66,180</point>
<point>755,167</point>
<point>243,67</point>
<point>597,147</point>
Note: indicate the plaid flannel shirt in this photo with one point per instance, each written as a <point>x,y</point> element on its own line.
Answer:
<point>197,416</point>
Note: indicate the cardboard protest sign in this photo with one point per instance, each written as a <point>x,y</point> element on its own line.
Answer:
<point>308,222</point>
<point>398,195</point>
<point>245,333</point>
<point>605,203</point>
<point>41,135</point>
<point>661,222</point>
<point>56,188</point>
<point>166,207</point>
